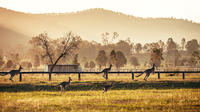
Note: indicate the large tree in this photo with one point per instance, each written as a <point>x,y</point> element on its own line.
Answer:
<point>173,55</point>
<point>101,58</point>
<point>92,64</point>
<point>124,46</point>
<point>195,58</point>
<point>134,61</point>
<point>55,50</point>
<point>1,59</point>
<point>120,59</point>
<point>75,60</point>
<point>156,56</point>
<point>183,41</point>
<point>192,46</point>
<point>26,64</point>
<point>113,57</point>
<point>9,64</point>
<point>138,48</point>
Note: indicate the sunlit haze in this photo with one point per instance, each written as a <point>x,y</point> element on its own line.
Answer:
<point>186,9</point>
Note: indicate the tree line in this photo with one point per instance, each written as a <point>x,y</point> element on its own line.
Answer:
<point>71,49</point>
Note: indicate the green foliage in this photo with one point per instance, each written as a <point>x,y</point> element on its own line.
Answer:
<point>26,64</point>
<point>156,56</point>
<point>101,58</point>
<point>86,65</point>
<point>75,60</point>
<point>195,58</point>
<point>120,59</point>
<point>92,64</point>
<point>138,48</point>
<point>9,64</point>
<point>192,45</point>
<point>134,61</point>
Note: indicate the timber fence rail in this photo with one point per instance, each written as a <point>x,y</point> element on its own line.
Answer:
<point>124,71</point>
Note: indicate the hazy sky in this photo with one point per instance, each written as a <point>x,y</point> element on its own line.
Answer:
<point>187,9</point>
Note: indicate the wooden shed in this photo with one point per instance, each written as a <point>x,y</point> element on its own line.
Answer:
<point>65,68</point>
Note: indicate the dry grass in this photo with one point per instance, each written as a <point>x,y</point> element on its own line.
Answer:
<point>114,100</point>
<point>36,93</point>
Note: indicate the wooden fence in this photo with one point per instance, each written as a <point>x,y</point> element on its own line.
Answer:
<point>112,72</point>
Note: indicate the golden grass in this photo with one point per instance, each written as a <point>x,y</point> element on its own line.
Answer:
<point>114,100</point>
<point>32,95</point>
<point>96,77</point>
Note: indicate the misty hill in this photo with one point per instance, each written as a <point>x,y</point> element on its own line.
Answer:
<point>18,27</point>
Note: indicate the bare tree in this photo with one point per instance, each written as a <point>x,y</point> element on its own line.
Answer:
<point>105,38</point>
<point>54,50</point>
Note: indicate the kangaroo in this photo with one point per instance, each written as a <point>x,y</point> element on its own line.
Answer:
<point>106,87</point>
<point>13,73</point>
<point>64,84</point>
<point>148,72</point>
<point>105,71</point>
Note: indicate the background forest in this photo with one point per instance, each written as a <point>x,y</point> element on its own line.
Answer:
<point>91,54</point>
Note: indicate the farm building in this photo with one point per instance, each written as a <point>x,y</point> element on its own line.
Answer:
<point>64,68</point>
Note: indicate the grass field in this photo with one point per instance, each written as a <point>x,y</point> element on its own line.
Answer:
<point>35,94</point>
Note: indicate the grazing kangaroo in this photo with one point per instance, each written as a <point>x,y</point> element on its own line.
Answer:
<point>64,84</point>
<point>148,72</point>
<point>106,87</point>
<point>14,72</point>
<point>105,71</point>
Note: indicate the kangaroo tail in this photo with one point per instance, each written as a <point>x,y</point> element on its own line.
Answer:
<point>3,74</point>
<point>58,85</point>
<point>140,74</point>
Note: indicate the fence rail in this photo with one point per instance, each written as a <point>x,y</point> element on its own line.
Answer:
<point>112,70</point>
<point>132,72</point>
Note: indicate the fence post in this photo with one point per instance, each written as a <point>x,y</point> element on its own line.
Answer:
<point>132,75</point>
<point>106,76</point>
<point>49,76</point>
<point>79,76</point>
<point>158,75</point>
<point>20,77</point>
<point>183,75</point>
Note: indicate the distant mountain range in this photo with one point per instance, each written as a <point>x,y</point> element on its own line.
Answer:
<point>18,28</point>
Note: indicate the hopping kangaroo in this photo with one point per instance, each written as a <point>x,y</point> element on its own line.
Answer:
<point>106,87</point>
<point>148,72</point>
<point>64,84</point>
<point>105,71</point>
<point>14,72</point>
